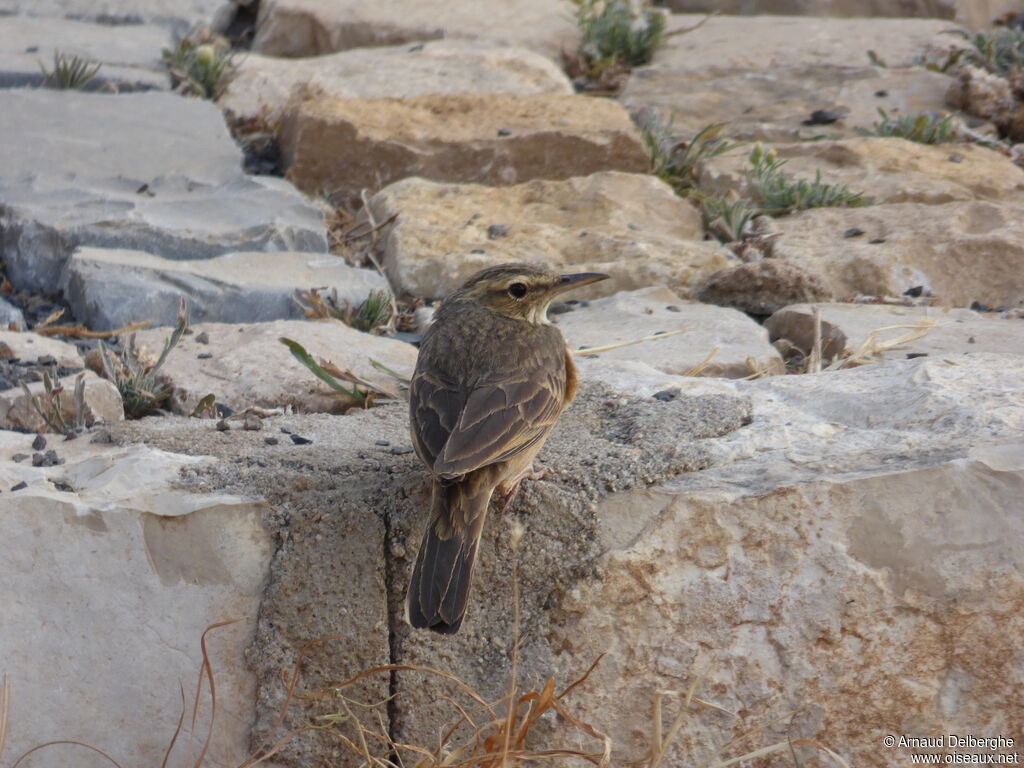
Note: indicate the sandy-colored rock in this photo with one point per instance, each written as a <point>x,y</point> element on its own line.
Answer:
<point>32,346</point>
<point>250,367</point>
<point>950,331</point>
<point>316,27</point>
<point>102,404</point>
<point>109,288</point>
<point>742,345</point>
<point>117,571</point>
<point>960,252</point>
<point>841,545</point>
<point>971,13</point>
<point>345,145</point>
<point>262,85</point>
<point>885,170</point>
<point>123,14</point>
<point>772,104</point>
<point>762,287</point>
<point>631,226</point>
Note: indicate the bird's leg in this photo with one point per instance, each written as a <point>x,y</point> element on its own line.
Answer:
<point>509,488</point>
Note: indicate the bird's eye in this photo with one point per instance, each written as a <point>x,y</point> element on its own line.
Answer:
<point>517,290</point>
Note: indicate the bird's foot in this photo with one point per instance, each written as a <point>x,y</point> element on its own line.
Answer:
<point>512,485</point>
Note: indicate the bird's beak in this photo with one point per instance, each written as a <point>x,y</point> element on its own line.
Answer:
<point>578,280</point>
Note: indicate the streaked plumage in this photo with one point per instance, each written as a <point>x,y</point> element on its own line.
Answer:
<point>491,380</point>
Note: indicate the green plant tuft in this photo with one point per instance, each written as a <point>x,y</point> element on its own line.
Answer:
<point>728,220</point>
<point>676,162</point>
<point>1000,51</point>
<point>925,128</point>
<point>618,32</point>
<point>200,65</point>
<point>779,194</point>
<point>142,389</point>
<point>69,74</point>
<point>374,313</point>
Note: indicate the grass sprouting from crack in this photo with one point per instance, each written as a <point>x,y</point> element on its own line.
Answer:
<point>374,314</point>
<point>200,64</point>
<point>676,162</point>
<point>618,31</point>
<point>69,74</point>
<point>924,128</point>
<point>778,194</point>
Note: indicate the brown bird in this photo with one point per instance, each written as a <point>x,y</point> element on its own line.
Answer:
<point>492,377</point>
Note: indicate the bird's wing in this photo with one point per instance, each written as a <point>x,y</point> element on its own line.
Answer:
<point>502,418</point>
<point>455,433</point>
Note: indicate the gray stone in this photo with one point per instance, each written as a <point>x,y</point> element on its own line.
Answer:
<point>262,85</point>
<point>148,171</point>
<point>109,289</point>
<point>737,345</point>
<point>10,315</point>
<point>32,346</point>
<point>179,15</point>
<point>129,55</point>
<point>247,365</point>
<point>118,571</point>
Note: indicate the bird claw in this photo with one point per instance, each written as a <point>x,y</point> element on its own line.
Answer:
<point>529,473</point>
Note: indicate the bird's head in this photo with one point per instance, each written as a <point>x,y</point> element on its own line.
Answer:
<point>522,291</point>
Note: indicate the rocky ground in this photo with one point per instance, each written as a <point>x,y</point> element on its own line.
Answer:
<point>802,504</point>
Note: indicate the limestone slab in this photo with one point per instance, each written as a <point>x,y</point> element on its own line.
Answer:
<point>103,404</point>
<point>110,288</point>
<point>341,146</point>
<point>247,365</point>
<point>737,345</point>
<point>262,85</point>
<point>111,188</point>
<point>630,226</point>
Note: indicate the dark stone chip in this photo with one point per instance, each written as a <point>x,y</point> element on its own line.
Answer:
<point>853,232</point>
<point>300,440</point>
<point>270,440</point>
<point>912,355</point>
<point>401,450</point>
<point>39,443</point>
<point>914,292</point>
<point>19,486</point>
<point>667,395</point>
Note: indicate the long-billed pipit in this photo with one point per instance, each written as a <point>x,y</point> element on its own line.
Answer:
<point>492,377</point>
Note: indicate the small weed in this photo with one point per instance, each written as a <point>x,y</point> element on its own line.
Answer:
<point>200,64</point>
<point>779,194</point>
<point>48,405</point>
<point>69,74</point>
<point>925,128</point>
<point>618,31</point>
<point>676,162</point>
<point>142,389</point>
<point>374,313</point>
<point>358,391</point>
<point>728,220</point>
<point>1000,52</point>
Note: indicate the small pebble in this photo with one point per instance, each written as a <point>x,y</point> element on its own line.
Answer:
<point>285,430</point>
<point>673,308</point>
<point>401,450</point>
<point>667,395</point>
<point>876,241</point>
<point>47,360</point>
<point>19,486</point>
<point>382,443</point>
<point>853,232</point>
<point>222,426</point>
<point>970,340</point>
<point>497,230</point>
<point>824,117</point>
<point>223,410</point>
<point>203,338</point>
<point>912,355</point>
<point>204,355</point>
<point>478,251</point>
<point>48,459</point>
<point>299,440</point>
<point>252,423</point>
<point>955,158</point>
<point>270,440</point>
<point>881,94</point>
<point>39,443</point>
<point>19,457</point>
<point>102,436</point>
<point>504,132</point>
<point>914,292</point>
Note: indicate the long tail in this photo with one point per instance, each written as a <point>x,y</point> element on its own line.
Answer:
<point>443,573</point>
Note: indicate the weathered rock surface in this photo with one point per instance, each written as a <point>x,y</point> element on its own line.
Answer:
<point>631,226</point>
<point>885,170</point>
<point>32,346</point>
<point>130,56</point>
<point>773,104</point>
<point>825,539</point>
<point>950,331</point>
<point>102,404</point>
<point>960,252</point>
<point>10,315</point>
<point>765,75</point>
<point>177,14</point>
<point>112,188</point>
<point>762,287</point>
<point>110,288</point>
<point>316,27</point>
<point>742,345</point>
<point>971,13</point>
<point>246,365</point>
<point>262,85</point>
<point>345,145</point>
<point>114,572</point>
